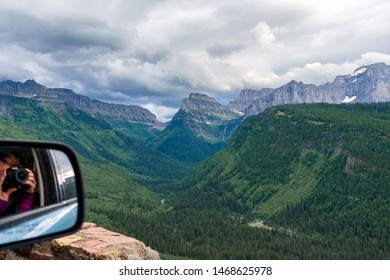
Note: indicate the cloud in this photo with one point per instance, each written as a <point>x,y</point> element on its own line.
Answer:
<point>263,35</point>
<point>163,113</point>
<point>220,50</point>
<point>157,52</point>
<point>320,73</point>
<point>59,35</point>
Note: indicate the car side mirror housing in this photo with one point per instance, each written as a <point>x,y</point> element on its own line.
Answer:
<point>41,192</point>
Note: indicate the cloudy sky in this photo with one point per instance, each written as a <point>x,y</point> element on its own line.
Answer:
<point>154,53</point>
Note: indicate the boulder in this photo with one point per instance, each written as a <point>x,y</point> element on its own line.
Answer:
<point>89,243</point>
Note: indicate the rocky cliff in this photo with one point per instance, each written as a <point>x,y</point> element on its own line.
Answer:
<point>198,129</point>
<point>366,84</point>
<point>204,117</point>
<point>203,112</point>
<point>59,98</point>
<point>89,243</point>
<point>247,97</point>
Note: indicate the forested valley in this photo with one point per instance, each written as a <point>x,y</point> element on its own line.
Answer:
<point>295,182</point>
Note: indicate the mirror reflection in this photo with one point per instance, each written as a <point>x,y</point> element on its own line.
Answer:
<point>17,185</point>
<point>38,193</point>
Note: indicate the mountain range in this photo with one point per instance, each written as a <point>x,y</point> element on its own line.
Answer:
<point>205,125</point>
<point>294,181</point>
<point>58,98</point>
<point>366,84</point>
<point>202,125</point>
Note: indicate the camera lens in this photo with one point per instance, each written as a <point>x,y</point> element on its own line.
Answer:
<point>21,176</point>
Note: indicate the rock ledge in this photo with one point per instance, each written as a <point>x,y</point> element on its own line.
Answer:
<point>89,243</point>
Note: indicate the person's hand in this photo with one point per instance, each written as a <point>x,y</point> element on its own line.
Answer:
<point>31,182</point>
<point>5,195</point>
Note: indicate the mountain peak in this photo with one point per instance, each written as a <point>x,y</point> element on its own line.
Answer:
<point>31,83</point>
<point>376,69</point>
<point>198,101</point>
<point>206,109</point>
<point>359,71</point>
<point>198,129</point>
<point>295,83</point>
<point>376,65</point>
<point>201,96</point>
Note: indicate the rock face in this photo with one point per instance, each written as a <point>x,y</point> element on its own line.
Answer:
<point>247,97</point>
<point>366,84</point>
<point>199,129</point>
<point>89,243</point>
<point>205,117</point>
<point>205,109</point>
<point>59,98</point>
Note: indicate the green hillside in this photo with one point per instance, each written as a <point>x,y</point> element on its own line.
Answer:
<point>115,167</point>
<point>137,131</point>
<point>319,172</point>
<point>280,156</point>
<point>95,139</point>
<point>180,142</point>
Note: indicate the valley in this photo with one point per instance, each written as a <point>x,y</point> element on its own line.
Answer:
<point>191,188</point>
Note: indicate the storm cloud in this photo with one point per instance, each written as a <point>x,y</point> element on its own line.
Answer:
<point>154,53</point>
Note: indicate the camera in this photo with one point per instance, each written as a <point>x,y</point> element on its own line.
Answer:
<point>15,178</point>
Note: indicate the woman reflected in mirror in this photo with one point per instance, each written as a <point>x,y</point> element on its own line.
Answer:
<point>17,185</point>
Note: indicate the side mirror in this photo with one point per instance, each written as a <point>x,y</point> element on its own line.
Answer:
<point>41,192</point>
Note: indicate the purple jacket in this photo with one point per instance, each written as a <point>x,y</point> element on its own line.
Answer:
<point>24,205</point>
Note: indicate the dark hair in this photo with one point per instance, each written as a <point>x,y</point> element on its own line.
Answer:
<point>10,159</point>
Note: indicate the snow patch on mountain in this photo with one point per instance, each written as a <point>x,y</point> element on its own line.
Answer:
<point>359,71</point>
<point>348,99</point>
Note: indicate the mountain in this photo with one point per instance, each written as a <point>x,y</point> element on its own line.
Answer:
<point>202,126</point>
<point>59,98</point>
<point>92,137</point>
<point>281,155</point>
<point>248,97</point>
<point>199,129</point>
<point>315,171</point>
<point>365,85</point>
